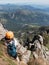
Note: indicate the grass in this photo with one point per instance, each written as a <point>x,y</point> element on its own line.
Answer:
<point>10,61</point>
<point>1,54</point>
<point>47,45</point>
<point>1,50</point>
<point>5,58</point>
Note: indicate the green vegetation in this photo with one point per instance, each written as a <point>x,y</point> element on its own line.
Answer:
<point>1,50</point>
<point>19,18</point>
<point>10,61</point>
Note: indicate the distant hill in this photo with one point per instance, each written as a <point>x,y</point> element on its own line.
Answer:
<point>24,17</point>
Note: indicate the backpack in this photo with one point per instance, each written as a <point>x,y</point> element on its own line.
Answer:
<point>11,49</point>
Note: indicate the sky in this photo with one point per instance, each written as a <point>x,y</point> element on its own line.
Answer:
<point>39,2</point>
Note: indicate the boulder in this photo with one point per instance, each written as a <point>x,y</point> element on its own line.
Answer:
<point>2,31</point>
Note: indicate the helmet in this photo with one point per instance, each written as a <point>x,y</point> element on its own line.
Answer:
<point>9,35</point>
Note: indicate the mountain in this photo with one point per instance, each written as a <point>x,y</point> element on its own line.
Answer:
<point>8,7</point>
<point>24,17</point>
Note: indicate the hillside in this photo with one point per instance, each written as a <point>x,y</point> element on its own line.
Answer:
<point>5,59</point>
<point>25,21</point>
<point>24,17</point>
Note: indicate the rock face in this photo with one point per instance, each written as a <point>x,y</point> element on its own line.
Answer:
<point>41,51</point>
<point>40,55</point>
<point>2,31</point>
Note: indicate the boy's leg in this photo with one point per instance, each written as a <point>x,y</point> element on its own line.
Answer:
<point>17,59</point>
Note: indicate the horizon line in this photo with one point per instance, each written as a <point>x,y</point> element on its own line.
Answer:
<point>22,4</point>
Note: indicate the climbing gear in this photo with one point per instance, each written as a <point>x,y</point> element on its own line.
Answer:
<point>9,35</point>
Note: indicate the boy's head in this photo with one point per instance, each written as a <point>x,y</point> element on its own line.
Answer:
<point>9,35</point>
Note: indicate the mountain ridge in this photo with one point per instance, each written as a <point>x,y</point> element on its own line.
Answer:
<point>14,17</point>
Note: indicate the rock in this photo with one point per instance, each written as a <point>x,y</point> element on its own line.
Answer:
<point>2,31</point>
<point>41,54</point>
<point>22,63</point>
<point>39,61</point>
